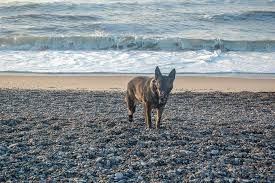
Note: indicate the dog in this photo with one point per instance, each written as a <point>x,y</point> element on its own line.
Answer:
<point>152,92</point>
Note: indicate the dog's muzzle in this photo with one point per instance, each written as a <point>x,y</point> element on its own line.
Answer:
<point>163,97</point>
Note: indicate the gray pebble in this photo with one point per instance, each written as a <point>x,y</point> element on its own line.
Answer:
<point>118,175</point>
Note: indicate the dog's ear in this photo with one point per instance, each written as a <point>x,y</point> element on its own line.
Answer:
<point>157,73</point>
<point>172,74</point>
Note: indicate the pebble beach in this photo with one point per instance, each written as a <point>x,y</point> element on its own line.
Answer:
<point>84,136</point>
<point>64,69</point>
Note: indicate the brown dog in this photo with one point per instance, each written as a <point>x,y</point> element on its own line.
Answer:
<point>152,92</point>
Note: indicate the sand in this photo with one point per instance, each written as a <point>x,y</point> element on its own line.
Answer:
<point>101,83</point>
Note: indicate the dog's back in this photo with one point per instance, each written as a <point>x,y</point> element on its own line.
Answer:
<point>137,88</point>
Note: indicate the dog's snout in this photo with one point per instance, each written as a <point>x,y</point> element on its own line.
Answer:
<point>163,97</point>
<point>162,94</point>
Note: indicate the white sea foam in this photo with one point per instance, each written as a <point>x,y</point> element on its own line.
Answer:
<point>125,36</point>
<point>136,61</point>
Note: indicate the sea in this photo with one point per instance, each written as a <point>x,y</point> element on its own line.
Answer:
<point>133,37</point>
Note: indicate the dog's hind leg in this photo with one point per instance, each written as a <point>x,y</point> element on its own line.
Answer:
<point>130,106</point>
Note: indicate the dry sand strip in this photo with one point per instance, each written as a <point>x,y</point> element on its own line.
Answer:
<point>105,83</point>
<point>84,136</point>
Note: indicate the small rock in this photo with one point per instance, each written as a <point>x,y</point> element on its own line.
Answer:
<point>13,145</point>
<point>236,161</point>
<point>99,165</point>
<point>207,179</point>
<point>215,152</point>
<point>130,173</point>
<point>142,163</point>
<point>30,141</point>
<point>99,159</point>
<point>186,152</point>
<point>108,163</point>
<point>152,160</point>
<point>92,149</point>
<point>2,148</point>
<point>140,178</point>
<point>217,181</point>
<point>178,171</point>
<point>171,173</point>
<point>118,175</point>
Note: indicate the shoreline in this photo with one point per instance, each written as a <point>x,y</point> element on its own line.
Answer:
<point>189,74</point>
<point>119,83</point>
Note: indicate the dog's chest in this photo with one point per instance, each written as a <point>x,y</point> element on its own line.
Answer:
<point>155,103</point>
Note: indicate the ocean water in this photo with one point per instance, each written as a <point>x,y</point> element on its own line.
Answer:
<point>111,36</point>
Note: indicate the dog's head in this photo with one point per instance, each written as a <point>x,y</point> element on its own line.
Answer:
<point>163,85</point>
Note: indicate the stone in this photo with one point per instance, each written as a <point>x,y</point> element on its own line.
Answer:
<point>118,176</point>
<point>98,160</point>
<point>236,161</point>
<point>179,171</point>
<point>143,163</point>
<point>215,152</point>
<point>108,163</point>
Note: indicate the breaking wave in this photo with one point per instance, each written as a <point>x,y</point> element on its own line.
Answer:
<point>131,43</point>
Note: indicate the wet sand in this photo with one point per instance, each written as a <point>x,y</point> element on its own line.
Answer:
<point>107,83</point>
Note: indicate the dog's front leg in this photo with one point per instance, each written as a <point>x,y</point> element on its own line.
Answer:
<point>158,116</point>
<point>148,110</point>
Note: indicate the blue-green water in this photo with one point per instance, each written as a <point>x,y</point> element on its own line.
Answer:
<point>133,37</point>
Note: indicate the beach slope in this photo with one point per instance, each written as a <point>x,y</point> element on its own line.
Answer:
<point>85,136</point>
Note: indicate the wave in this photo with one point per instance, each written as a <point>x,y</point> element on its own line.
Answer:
<point>250,15</point>
<point>51,16</point>
<point>132,43</point>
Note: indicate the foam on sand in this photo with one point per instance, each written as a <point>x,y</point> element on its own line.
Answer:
<point>111,61</point>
